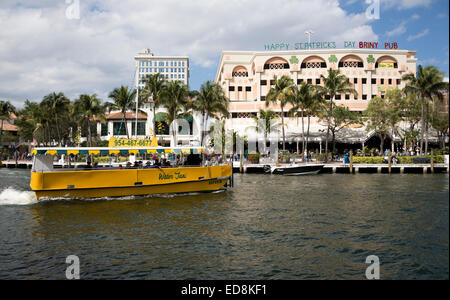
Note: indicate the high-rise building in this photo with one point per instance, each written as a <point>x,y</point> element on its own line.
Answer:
<point>172,68</point>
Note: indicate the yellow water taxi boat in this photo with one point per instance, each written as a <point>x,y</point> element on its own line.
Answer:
<point>116,180</point>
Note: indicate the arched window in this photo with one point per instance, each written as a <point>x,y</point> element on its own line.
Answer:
<point>313,62</point>
<point>386,62</point>
<point>351,61</point>
<point>276,63</point>
<point>239,71</point>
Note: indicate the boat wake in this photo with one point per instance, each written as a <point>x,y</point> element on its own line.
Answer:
<point>124,198</point>
<point>11,196</point>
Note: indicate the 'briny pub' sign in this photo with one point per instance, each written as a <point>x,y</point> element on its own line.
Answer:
<point>329,45</point>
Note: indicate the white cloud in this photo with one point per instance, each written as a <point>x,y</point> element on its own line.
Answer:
<point>399,30</point>
<point>419,35</point>
<point>41,51</point>
<point>404,4</point>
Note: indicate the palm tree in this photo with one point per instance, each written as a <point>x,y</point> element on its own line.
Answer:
<point>56,104</point>
<point>428,84</point>
<point>211,102</point>
<point>174,98</point>
<point>278,93</point>
<point>88,108</point>
<point>264,122</point>
<point>334,84</point>
<point>301,98</point>
<point>313,107</point>
<point>123,99</point>
<point>6,110</point>
<point>154,85</point>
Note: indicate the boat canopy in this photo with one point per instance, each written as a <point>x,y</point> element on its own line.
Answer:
<point>116,150</point>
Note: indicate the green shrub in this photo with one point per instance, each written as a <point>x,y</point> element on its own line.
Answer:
<point>254,157</point>
<point>438,159</point>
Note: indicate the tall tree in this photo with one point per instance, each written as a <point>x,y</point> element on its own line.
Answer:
<point>57,104</point>
<point>341,118</point>
<point>301,98</point>
<point>89,108</point>
<point>154,84</point>
<point>313,109</point>
<point>6,111</point>
<point>175,100</point>
<point>429,83</point>
<point>278,93</point>
<point>334,84</point>
<point>264,123</point>
<point>382,118</point>
<point>123,100</point>
<point>210,102</point>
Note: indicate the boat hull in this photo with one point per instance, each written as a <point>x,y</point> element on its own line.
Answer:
<point>128,182</point>
<point>297,170</point>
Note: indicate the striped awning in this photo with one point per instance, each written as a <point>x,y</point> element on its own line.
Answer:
<point>111,151</point>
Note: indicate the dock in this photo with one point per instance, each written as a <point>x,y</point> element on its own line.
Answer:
<point>329,168</point>
<point>340,168</point>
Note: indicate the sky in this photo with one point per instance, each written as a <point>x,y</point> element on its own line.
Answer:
<point>88,46</point>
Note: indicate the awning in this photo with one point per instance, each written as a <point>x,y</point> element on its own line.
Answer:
<point>161,117</point>
<point>110,151</point>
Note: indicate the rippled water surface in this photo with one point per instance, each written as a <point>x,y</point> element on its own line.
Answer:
<point>266,227</point>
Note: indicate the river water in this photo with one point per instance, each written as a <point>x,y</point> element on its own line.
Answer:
<point>266,227</point>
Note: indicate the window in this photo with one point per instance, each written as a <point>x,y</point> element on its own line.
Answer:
<point>119,128</point>
<point>140,128</point>
<point>231,88</point>
<point>347,96</point>
<point>234,115</point>
<point>150,64</point>
<point>239,74</point>
<point>182,76</point>
<point>374,81</point>
<point>355,80</point>
<point>382,80</point>
<point>272,82</point>
<point>239,88</point>
<point>182,63</point>
<point>150,69</point>
<point>337,97</point>
<point>318,81</point>
<point>263,82</point>
<point>399,81</point>
<point>248,88</point>
<point>351,64</point>
<point>171,63</point>
<point>161,70</point>
<point>364,81</point>
<point>161,64</point>
<point>299,81</point>
<point>277,66</point>
<point>104,131</point>
<point>327,97</point>
<point>263,98</point>
<point>313,65</point>
<point>364,97</point>
<point>390,81</point>
<point>310,81</point>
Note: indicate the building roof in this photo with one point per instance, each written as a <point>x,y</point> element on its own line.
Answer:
<point>129,115</point>
<point>10,127</point>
